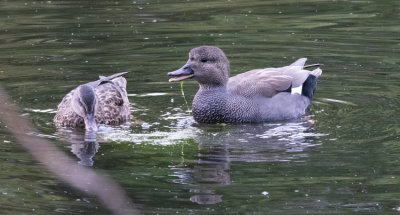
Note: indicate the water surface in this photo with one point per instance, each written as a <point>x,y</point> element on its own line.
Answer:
<point>342,157</point>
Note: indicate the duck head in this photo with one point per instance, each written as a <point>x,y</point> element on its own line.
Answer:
<point>84,104</point>
<point>207,65</point>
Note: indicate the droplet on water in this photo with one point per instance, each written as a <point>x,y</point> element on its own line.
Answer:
<point>265,193</point>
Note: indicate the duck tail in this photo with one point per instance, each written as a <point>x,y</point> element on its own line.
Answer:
<point>107,79</point>
<point>316,72</point>
<point>310,85</point>
<point>300,62</point>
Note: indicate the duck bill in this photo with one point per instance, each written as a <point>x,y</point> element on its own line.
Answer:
<point>90,122</point>
<point>181,74</point>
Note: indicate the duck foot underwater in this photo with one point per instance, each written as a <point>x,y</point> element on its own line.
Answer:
<point>259,95</point>
<point>104,101</point>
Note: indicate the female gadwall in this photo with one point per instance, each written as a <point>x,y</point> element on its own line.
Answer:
<point>255,96</point>
<point>104,101</point>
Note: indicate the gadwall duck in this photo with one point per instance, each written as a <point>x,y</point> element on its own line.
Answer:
<point>258,95</point>
<point>104,101</point>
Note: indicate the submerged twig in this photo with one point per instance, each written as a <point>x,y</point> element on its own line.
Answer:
<point>312,65</point>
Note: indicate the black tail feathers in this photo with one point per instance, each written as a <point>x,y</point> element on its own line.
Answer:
<point>309,86</point>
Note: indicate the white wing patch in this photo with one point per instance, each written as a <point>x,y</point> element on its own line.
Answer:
<point>298,89</point>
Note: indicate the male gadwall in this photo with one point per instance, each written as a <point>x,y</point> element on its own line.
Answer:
<point>254,96</point>
<point>104,101</point>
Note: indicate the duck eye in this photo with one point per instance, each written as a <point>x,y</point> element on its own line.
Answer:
<point>203,60</point>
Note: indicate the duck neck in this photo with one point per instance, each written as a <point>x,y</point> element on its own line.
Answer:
<point>214,88</point>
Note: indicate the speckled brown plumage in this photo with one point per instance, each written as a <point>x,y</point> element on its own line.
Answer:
<point>112,106</point>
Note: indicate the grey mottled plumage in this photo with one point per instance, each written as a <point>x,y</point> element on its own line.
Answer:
<point>106,99</point>
<point>254,96</point>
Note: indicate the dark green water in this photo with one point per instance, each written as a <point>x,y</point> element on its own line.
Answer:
<point>342,158</point>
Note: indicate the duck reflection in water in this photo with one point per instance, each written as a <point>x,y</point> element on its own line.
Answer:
<point>210,170</point>
<point>83,146</point>
<point>86,150</point>
<point>220,145</point>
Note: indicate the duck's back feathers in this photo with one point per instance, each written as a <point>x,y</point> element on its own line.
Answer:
<point>258,83</point>
<point>270,81</point>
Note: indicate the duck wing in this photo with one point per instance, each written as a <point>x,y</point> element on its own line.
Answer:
<point>113,103</point>
<point>120,85</point>
<point>270,81</point>
<point>112,95</point>
<point>65,115</point>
